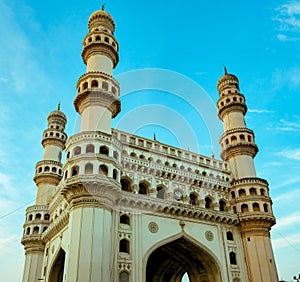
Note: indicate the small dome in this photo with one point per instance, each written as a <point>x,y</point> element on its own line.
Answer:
<point>227,80</point>
<point>57,113</point>
<point>101,15</point>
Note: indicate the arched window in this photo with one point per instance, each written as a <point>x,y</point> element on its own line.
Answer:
<point>249,138</point>
<point>103,170</point>
<point>77,151</point>
<point>124,219</point>
<point>85,85</point>
<point>88,169</point>
<point>116,155</point>
<point>133,154</point>
<point>262,192</point>
<point>106,39</point>
<point>232,258</point>
<point>124,276</point>
<point>222,205</point>
<point>105,85</point>
<point>242,193</point>
<point>208,203</point>
<point>242,137</point>
<point>104,150</point>
<point>40,169</point>
<point>234,209</point>
<point>124,246</point>
<point>46,169</point>
<point>255,207</point>
<point>252,191</point>
<point>28,231</point>
<point>54,169</point>
<point>90,148</point>
<point>36,230</point>
<point>244,208</point>
<point>98,38</point>
<point>68,155</point>
<point>160,192</point>
<point>38,216</point>
<point>115,174</point>
<point>266,208</point>
<point>233,139</point>
<point>232,194</point>
<point>143,189</point>
<point>94,83</point>
<point>45,228</point>
<point>193,199</point>
<point>114,90</point>
<point>66,174</point>
<point>30,217</point>
<point>75,170</point>
<point>229,235</point>
<point>90,39</point>
<point>125,184</point>
<point>46,216</point>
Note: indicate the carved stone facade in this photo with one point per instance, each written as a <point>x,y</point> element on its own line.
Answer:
<point>126,208</point>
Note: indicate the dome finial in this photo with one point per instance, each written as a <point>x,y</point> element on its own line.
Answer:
<point>103,6</point>
<point>58,106</point>
<point>225,69</point>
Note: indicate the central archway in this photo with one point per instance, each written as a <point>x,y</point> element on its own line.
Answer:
<point>169,262</point>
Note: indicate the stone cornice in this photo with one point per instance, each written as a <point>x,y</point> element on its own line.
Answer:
<point>47,178</point>
<point>249,181</point>
<point>239,149</point>
<point>232,107</point>
<point>97,74</point>
<point>97,97</point>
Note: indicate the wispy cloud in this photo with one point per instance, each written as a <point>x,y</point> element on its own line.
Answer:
<point>293,154</point>
<point>288,220</point>
<point>287,182</point>
<point>285,125</point>
<point>288,15</point>
<point>260,111</point>
<point>290,240</point>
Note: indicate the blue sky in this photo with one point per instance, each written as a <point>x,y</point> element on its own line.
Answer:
<point>258,41</point>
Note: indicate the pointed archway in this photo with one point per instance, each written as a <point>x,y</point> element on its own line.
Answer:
<point>170,262</point>
<point>57,270</point>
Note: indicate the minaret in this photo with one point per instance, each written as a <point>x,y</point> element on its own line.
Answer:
<point>49,171</point>
<point>249,194</point>
<point>47,176</point>
<point>97,92</point>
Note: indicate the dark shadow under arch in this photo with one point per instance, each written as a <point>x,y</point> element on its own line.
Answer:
<point>172,260</point>
<point>57,270</point>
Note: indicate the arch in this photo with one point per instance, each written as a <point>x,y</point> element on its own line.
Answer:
<point>116,155</point>
<point>75,170</point>
<point>90,148</point>
<point>232,258</point>
<point>172,258</point>
<point>77,151</point>
<point>57,269</point>
<point>124,219</point>
<point>133,154</point>
<point>229,236</point>
<point>266,208</point>
<point>115,174</point>
<point>126,184</point>
<point>193,199</point>
<point>88,169</point>
<point>144,188</point>
<point>232,194</point>
<point>208,203</point>
<point>46,216</point>
<point>160,192</point>
<point>114,90</point>
<point>233,138</point>
<point>94,83</point>
<point>124,246</point>
<point>242,193</point>
<point>85,85</point>
<point>38,216</point>
<point>105,85</point>
<point>54,169</point>
<point>255,207</point>
<point>28,231</point>
<point>253,191</point>
<point>222,205</point>
<point>244,208</point>
<point>104,150</point>
<point>30,217</point>
<point>46,169</point>
<point>263,192</point>
<point>103,169</point>
<point>36,230</point>
<point>106,39</point>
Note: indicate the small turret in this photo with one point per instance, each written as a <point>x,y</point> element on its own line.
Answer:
<point>49,171</point>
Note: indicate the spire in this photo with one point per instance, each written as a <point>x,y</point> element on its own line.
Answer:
<point>58,106</point>
<point>154,137</point>
<point>225,70</point>
<point>103,6</point>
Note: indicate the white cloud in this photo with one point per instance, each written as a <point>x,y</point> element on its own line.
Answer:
<point>284,125</point>
<point>293,154</point>
<point>290,240</point>
<point>260,111</point>
<point>288,182</point>
<point>288,220</point>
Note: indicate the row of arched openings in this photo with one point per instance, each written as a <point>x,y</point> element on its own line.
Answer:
<point>90,148</point>
<point>252,192</point>
<point>38,216</point>
<point>35,230</point>
<point>255,208</point>
<point>95,84</point>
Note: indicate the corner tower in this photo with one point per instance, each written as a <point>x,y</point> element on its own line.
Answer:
<point>97,92</point>
<point>249,195</point>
